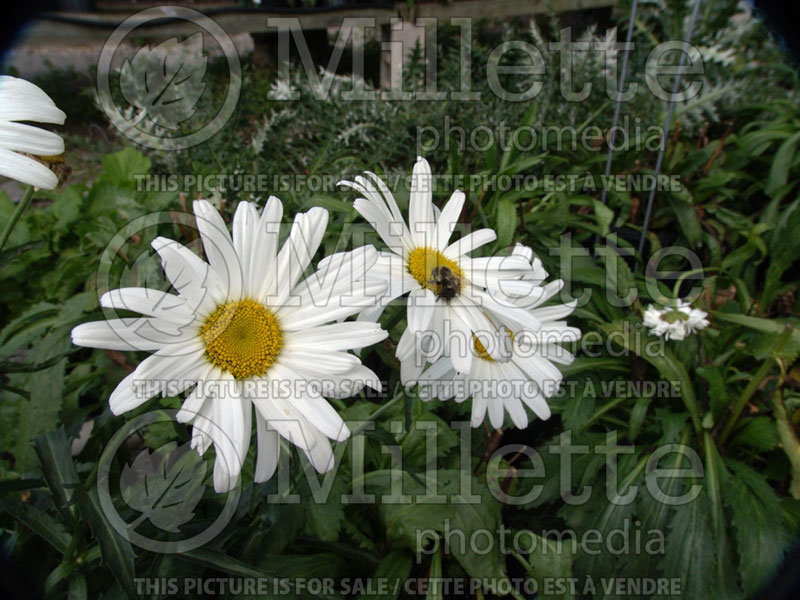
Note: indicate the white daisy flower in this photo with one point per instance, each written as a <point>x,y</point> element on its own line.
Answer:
<point>451,295</point>
<point>246,332</point>
<point>675,323</point>
<point>21,100</point>
<point>527,376</point>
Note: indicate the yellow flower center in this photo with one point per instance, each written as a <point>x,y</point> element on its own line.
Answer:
<point>434,271</point>
<point>242,338</point>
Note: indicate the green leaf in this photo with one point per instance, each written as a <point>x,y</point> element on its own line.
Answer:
<point>761,537</point>
<point>435,578</point>
<point>41,523</point>
<point>232,566</point>
<point>670,368</point>
<point>77,588</point>
<point>638,413</point>
<point>426,515</point>
<point>394,570</point>
<point>121,168</point>
<point>688,220</point>
<point>717,476</point>
<point>790,349</point>
<point>276,526</point>
<point>779,172</point>
<point>717,393</point>
<point>59,472</point>
<point>604,216</point>
<point>506,222</point>
<point>690,549</point>
<point>788,440</point>
<point>116,551</point>
<point>549,558</point>
<point>759,433</point>
<point>324,516</point>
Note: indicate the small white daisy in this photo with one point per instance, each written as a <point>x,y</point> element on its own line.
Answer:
<point>246,332</point>
<point>527,376</point>
<point>675,323</point>
<point>451,295</point>
<point>21,100</point>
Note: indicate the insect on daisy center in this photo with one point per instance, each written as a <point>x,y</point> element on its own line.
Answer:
<point>434,271</point>
<point>242,338</point>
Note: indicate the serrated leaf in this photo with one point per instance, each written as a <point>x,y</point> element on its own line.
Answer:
<point>405,523</point>
<point>549,559</point>
<point>604,216</point>
<point>122,168</point>
<point>759,433</point>
<point>761,538</point>
<point>690,548</point>
<point>58,469</point>
<point>41,523</point>
<point>324,516</point>
<point>164,486</point>
<point>166,81</point>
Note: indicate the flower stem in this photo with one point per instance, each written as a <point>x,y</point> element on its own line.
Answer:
<point>754,383</point>
<point>377,413</point>
<point>21,206</point>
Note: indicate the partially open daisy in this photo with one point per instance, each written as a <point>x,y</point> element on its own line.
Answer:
<point>675,323</point>
<point>21,100</point>
<point>527,375</point>
<point>452,296</point>
<point>246,332</point>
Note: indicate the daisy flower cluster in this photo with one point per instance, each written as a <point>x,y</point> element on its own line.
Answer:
<point>253,344</point>
<point>675,323</point>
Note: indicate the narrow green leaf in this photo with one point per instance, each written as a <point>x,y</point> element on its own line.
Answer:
<point>394,570</point>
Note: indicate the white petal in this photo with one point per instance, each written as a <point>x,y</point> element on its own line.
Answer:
<point>218,246</point>
<point>421,304</point>
<point>295,256</point>
<point>470,242</point>
<point>448,219</point>
<point>420,206</point>
<point>268,449</point>
<point>264,249</point>
<point>26,170</point>
<point>153,303</point>
<point>153,376</point>
<point>21,100</point>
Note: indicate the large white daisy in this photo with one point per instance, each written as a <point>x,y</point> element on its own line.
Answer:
<point>246,332</point>
<point>452,297</point>
<point>21,100</point>
<point>527,376</point>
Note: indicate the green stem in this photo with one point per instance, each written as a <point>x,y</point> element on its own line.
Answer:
<point>23,204</point>
<point>376,414</point>
<point>754,383</point>
<point>789,441</point>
